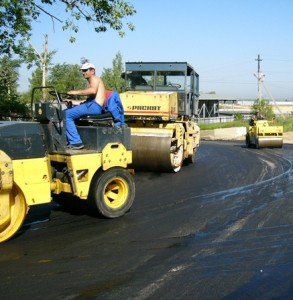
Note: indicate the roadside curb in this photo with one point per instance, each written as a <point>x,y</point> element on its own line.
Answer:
<point>234,133</point>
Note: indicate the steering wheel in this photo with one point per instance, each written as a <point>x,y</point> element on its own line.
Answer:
<point>60,95</point>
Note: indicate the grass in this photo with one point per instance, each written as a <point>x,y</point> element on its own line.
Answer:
<point>287,124</point>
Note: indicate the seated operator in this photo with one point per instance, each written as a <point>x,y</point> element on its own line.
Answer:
<point>257,116</point>
<point>96,103</point>
<point>96,95</point>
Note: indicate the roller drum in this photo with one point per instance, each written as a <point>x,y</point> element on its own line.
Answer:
<point>154,153</point>
<point>272,142</point>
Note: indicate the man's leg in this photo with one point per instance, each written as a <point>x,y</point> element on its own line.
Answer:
<point>72,114</point>
<point>114,105</point>
<point>88,108</point>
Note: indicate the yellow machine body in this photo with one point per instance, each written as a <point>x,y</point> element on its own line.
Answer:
<point>160,140</point>
<point>83,166</point>
<point>30,181</point>
<point>160,105</point>
<point>264,135</point>
<point>34,178</point>
<point>151,105</point>
<point>36,166</point>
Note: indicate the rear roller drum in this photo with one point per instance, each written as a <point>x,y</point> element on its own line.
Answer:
<point>17,210</point>
<point>156,153</point>
<point>112,193</point>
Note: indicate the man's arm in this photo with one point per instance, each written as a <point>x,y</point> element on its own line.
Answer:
<point>86,92</point>
<point>95,90</point>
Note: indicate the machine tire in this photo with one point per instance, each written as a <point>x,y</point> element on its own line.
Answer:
<point>247,139</point>
<point>176,159</point>
<point>112,193</point>
<point>18,211</point>
<point>191,158</point>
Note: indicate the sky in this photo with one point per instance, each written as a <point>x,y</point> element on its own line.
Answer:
<point>221,39</point>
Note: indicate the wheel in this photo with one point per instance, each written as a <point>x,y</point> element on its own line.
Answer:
<point>18,211</point>
<point>177,159</point>
<point>191,158</point>
<point>112,193</point>
<point>247,141</point>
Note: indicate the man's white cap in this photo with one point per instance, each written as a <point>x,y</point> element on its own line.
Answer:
<point>87,66</point>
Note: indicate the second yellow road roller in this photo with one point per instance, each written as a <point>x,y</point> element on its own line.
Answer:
<point>161,104</point>
<point>262,134</point>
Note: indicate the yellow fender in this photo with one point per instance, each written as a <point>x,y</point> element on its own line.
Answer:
<point>6,183</point>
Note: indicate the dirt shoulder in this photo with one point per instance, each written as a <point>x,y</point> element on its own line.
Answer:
<point>288,137</point>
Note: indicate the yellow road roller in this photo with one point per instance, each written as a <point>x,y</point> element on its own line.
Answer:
<point>35,165</point>
<point>261,134</point>
<point>160,105</point>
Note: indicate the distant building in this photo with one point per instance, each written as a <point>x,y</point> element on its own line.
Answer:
<point>209,105</point>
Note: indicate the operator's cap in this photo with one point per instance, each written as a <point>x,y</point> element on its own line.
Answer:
<point>87,66</point>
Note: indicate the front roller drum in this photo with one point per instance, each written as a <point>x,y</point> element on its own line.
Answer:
<point>156,153</point>
<point>112,193</point>
<point>16,211</point>
<point>272,142</point>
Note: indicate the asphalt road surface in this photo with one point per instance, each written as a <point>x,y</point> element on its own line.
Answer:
<point>220,229</point>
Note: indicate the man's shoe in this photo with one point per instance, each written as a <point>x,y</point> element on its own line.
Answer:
<point>75,146</point>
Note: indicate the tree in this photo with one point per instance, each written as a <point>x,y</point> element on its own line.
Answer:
<point>8,77</point>
<point>65,77</point>
<point>41,60</point>
<point>17,17</point>
<point>264,107</point>
<point>8,87</point>
<point>112,77</point>
<point>36,79</point>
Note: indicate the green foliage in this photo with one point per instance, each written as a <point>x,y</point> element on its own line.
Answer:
<point>287,124</point>
<point>264,107</point>
<point>238,116</point>
<point>25,98</point>
<point>65,77</point>
<point>33,58</point>
<point>8,77</point>
<point>36,79</point>
<point>17,17</point>
<point>112,77</point>
<point>15,24</point>
<point>9,103</point>
<point>13,108</point>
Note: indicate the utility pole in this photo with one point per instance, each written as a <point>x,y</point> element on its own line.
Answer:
<point>259,76</point>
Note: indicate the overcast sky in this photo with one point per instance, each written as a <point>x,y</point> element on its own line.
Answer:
<point>221,39</point>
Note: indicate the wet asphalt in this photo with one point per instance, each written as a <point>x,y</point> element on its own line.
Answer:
<point>219,229</point>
